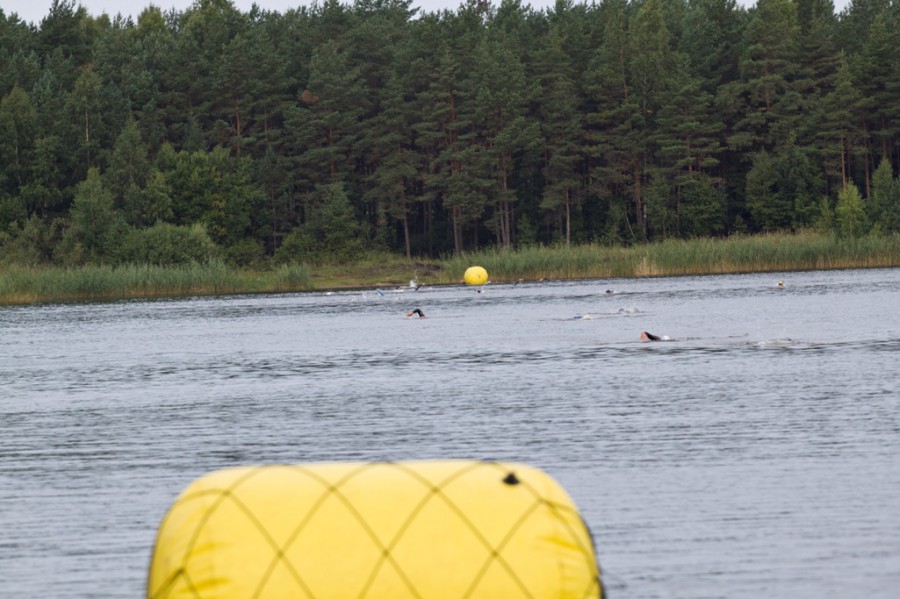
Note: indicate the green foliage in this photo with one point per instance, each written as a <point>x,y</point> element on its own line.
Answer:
<point>18,120</point>
<point>883,208</point>
<point>30,244</point>
<point>46,191</point>
<point>83,116</point>
<point>325,123</point>
<point>877,78</point>
<point>561,137</point>
<point>295,248</point>
<point>331,232</point>
<point>825,219</point>
<point>245,252</point>
<point>767,208</point>
<point>527,234</point>
<point>849,214</point>
<point>768,69</point>
<point>93,232</point>
<point>208,187</point>
<point>483,126</point>
<point>662,205</point>
<point>702,209</point>
<point>165,244</point>
<point>145,206</point>
<point>12,210</point>
<point>129,166</point>
<point>617,226</point>
<point>839,133</point>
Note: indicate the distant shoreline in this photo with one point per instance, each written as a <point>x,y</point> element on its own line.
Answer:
<point>21,285</point>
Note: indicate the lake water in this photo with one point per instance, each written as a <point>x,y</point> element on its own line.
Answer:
<point>756,454</point>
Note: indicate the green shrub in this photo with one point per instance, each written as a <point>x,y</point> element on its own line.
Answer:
<point>246,252</point>
<point>295,248</point>
<point>165,244</point>
<point>849,214</point>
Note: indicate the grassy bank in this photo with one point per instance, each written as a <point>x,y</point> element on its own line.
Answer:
<point>28,285</point>
<point>806,251</point>
<point>764,253</point>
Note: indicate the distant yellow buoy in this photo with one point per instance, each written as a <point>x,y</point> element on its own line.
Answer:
<point>476,275</point>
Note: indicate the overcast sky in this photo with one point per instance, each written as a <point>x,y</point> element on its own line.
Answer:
<point>35,10</point>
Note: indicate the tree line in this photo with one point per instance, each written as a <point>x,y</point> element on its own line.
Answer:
<point>334,129</point>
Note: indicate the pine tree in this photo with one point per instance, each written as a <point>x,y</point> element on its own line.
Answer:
<point>151,204</point>
<point>769,102</point>
<point>331,225</point>
<point>18,121</point>
<point>392,180</point>
<point>769,210</point>
<point>711,40</point>
<point>840,136</point>
<point>613,125</point>
<point>650,65</point>
<point>129,164</point>
<point>63,30</point>
<point>457,177</point>
<point>688,141</point>
<point>93,217</point>
<point>874,72</point>
<point>505,131</point>
<point>561,132</point>
<point>84,112</point>
<point>324,126</point>
<point>701,209</point>
<point>883,207</point>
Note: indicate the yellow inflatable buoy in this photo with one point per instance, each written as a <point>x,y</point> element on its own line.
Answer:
<point>430,529</point>
<point>475,275</point>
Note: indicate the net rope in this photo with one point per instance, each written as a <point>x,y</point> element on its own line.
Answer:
<point>431,492</point>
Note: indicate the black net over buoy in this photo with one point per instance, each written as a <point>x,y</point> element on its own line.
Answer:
<point>399,530</point>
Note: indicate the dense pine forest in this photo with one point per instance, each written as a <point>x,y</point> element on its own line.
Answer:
<point>336,129</point>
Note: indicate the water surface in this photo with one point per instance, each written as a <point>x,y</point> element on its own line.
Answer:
<point>754,454</point>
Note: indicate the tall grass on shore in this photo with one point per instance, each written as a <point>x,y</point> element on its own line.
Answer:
<point>763,253</point>
<point>766,253</point>
<point>375,269</point>
<point>20,285</point>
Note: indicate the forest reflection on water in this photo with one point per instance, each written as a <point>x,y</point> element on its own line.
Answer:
<point>754,454</point>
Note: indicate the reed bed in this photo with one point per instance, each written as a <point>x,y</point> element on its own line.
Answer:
<point>20,285</point>
<point>765,253</point>
<point>762,253</point>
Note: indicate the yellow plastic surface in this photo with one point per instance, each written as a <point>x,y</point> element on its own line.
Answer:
<point>475,275</point>
<point>427,530</point>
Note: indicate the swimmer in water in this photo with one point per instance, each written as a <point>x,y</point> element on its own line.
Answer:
<point>416,311</point>
<point>645,336</point>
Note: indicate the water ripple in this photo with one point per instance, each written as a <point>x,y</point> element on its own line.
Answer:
<point>754,453</point>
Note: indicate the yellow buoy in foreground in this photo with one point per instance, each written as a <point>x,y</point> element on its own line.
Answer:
<point>436,530</point>
<point>475,275</point>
